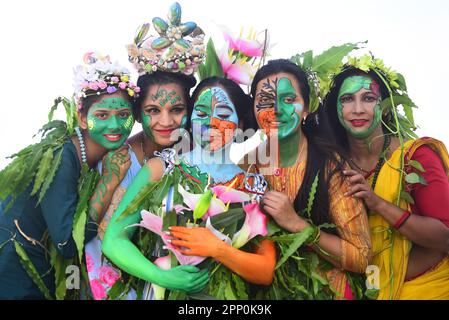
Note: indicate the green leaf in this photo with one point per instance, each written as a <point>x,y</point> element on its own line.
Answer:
<point>332,57</point>
<point>407,197</point>
<point>60,265</point>
<point>372,294</point>
<point>53,108</point>
<point>79,226</point>
<point>31,270</point>
<point>240,287</point>
<point>299,240</point>
<point>272,228</point>
<point>50,175</point>
<point>225,219</point>
<point>229,292</point>
<point>415,164</point>
<point>212,65</point>
<point>201,296</point>
<point>44,166</point>
<point>327,226</point>
<point>312,195</point>
<point>169,219</point>
<point>415,178</point>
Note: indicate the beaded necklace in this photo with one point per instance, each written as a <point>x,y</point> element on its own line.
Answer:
<point>379,163</point>
<point>82,145</point>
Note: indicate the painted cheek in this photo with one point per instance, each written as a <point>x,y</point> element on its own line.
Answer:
<point>226,130</point>
<point>265,118</point>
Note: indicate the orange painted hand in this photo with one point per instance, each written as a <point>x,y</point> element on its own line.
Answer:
<point>196,241</point>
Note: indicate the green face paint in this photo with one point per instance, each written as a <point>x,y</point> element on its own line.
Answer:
<point>146,125</point>
<point>277,102</point>
<point>352,85</point>
<point>183,121</point>
<point>109,122</point>
<point>288,115</point>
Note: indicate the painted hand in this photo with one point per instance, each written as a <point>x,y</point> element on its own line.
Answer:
<point>184,278</point>
<point>279,207</point>
<point>359,188</point>
<point>115,164</point>
<point>196,241</point>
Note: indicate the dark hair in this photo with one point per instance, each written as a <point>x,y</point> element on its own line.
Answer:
<point>88,101</point>
<point>321,151</point>
<point>160,78</point>
<point>330,102</point>
<point>243,103</point>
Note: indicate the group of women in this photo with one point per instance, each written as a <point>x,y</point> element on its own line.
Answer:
<point>344,175</point>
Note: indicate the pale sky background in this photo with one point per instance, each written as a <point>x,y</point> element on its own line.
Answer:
<point>43,40</point>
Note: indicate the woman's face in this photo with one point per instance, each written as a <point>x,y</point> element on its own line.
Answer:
<point>279,105</point>
<point>110,121</point>
<point>163,111</point>
<point>358,106</point>
<point>214,119</point>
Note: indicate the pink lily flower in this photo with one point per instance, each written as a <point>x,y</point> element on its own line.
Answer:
<point>239,71</point>
<point>249,47</point>
<point>255,224</point>
<point>153,223</point>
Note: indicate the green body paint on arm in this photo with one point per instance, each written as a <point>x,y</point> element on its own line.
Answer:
<point>118,247</point>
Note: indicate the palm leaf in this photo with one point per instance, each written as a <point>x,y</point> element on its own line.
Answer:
<point>44,166</point>
<point>299,240</point>
<point>31,270</point>
<point>50,175</point>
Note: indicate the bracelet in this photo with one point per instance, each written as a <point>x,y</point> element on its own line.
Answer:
<point>402,220</point>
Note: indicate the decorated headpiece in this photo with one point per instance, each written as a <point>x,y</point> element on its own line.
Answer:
<point>320,70</point>
<point>99,75</point>
<point>179,47</point>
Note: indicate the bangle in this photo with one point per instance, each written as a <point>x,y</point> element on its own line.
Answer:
<point>402,220</point>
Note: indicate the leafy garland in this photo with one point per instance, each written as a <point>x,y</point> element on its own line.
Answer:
<point>40,162</point>
<point>299,270</point>
<point>321,68</point>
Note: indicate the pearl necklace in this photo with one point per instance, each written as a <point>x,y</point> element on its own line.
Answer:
<point>82,145</point>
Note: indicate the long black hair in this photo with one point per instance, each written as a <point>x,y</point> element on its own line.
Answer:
<point>323,155</point>
<point>330,103</point>
<point>243,103</point>
<point>146,81</point>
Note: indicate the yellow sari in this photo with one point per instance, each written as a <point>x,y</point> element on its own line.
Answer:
<point>391,249</point>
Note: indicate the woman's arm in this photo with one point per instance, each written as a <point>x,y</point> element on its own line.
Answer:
<point>257,267</point>
<point>115,165</point>
<point>351,251</point>
<point>118,247</point>
<point>432,200</point>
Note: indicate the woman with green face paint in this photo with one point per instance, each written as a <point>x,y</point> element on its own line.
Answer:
<point>402,181</point>
<point>300,156</point>
<point>50,211</point>
<point>161,108</point>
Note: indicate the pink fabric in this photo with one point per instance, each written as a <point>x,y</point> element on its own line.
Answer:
<point>348,292</point>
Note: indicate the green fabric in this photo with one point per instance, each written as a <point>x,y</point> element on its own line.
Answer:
<point>55,213</point>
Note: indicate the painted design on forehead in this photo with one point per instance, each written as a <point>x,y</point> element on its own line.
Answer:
<point>111,103</point>
<point>352,85</point>
<point>163,96</point>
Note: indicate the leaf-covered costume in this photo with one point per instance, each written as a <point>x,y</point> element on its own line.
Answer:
<point>43,213</point>
<point>162,197</point>
<point>301,272</point>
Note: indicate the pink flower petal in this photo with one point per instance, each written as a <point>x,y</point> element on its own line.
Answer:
<point>255,224</point>
<point>230,195</point>
<point>153,223</point>
<point>163,262</point>
<point>239,73</point>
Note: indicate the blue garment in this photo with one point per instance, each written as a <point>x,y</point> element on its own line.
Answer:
<point>54,214</point>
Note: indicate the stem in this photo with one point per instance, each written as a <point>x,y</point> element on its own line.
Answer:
<point>401,138</point>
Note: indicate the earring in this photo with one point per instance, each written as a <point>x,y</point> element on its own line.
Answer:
<point>304,121</point>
